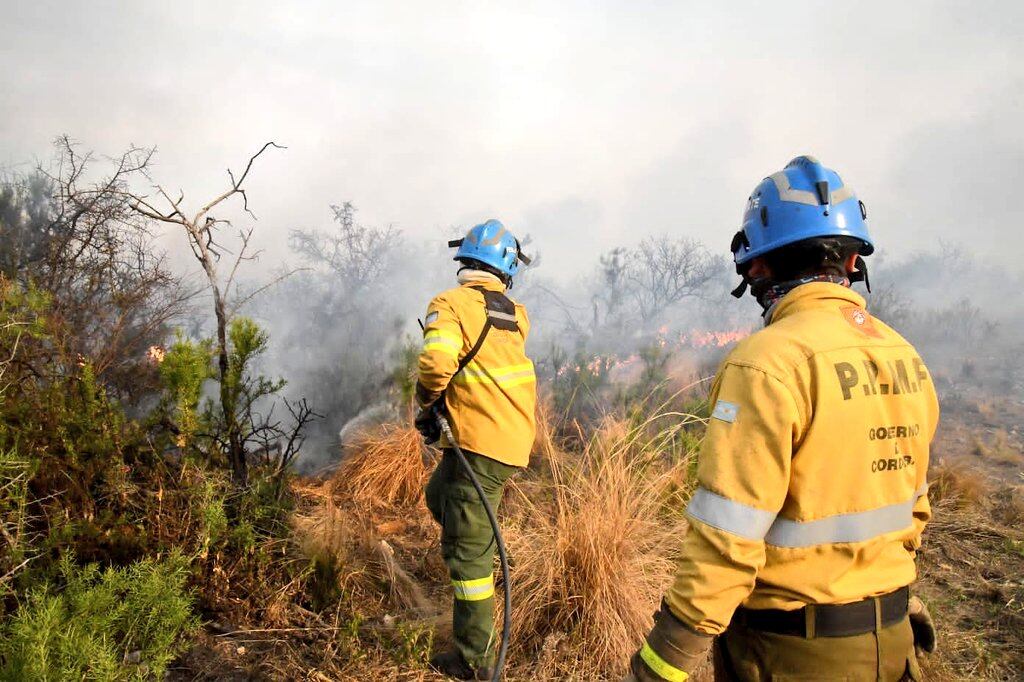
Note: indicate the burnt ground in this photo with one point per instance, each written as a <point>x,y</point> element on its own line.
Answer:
<point>972,563</point>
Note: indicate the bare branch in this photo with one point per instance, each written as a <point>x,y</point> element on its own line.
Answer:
<point>236,185</point>
<point>277,280</point>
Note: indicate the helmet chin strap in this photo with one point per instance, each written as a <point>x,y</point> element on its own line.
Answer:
<point>757,287</point>
<point>760,286</point>
<point>861,273</point>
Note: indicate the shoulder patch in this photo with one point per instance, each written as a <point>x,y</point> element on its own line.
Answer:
<point>431,317</point>
<point>861,320</point>
<point>725,411</point>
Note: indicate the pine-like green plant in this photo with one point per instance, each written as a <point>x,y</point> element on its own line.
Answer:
<point>105,625</point>
<point>15,473</point>
<point>185,367</point>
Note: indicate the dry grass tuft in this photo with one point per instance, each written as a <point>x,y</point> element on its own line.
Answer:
<point>348,557</point>
<point>969,575</point>
<point>610,438</point>
<point>958,483</point>
<point>1009,507</point>
<point>591,562</point>
<point>406,593</point>
<point>547,452</point>
<point>333,545</point>
<point>384,467</point>
<point>998,449</point>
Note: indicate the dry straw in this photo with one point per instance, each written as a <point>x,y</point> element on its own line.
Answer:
<point>593,556</point>
<point>385,466</point>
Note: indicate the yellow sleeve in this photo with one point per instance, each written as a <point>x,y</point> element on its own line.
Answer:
<point>524,322</point>
<point>743,476</point>
<point>442,347</point>
<point>922,507</point>
<point>922,515</point>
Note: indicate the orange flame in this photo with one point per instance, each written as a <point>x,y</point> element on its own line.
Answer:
<point>156,354</point>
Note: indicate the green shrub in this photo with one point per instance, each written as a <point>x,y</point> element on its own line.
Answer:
<point>15,473</point>
<point>115,624</point>
<point>185,367</point>
<point>213,517</point>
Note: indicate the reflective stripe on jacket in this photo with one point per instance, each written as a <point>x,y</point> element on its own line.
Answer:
<point>492,401</point>
<point>812,477</point>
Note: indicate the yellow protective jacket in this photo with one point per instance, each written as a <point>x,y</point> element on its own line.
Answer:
<point>492,402</point>
<point>812,485</point>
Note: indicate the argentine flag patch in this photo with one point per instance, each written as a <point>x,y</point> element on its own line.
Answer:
<point>725,411</point>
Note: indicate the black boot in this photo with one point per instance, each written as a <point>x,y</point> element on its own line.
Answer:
<point>452,664</point>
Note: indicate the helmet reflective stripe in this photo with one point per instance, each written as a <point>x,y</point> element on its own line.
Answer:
<point>472,237</point>
<point>802,201</point>
<point>787,193</point>
<point>491,243</point>
<point>801,196</point>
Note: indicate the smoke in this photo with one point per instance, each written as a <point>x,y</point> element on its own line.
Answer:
<point>962,311</point>
<point>344,330</point>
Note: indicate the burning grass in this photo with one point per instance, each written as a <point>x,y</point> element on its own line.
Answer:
<point>385,466</point>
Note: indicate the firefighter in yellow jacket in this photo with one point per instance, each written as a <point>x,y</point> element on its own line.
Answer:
<point>474,367</point>
<point>812,480</point>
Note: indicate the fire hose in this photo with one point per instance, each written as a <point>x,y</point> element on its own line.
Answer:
<point>506,626</point>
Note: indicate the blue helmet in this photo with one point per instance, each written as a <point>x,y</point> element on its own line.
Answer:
<point>801,201</point>
<point>492,244</point>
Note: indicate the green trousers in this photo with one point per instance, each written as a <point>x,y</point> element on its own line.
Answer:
<point>468,547</point>
<point>746,655</point>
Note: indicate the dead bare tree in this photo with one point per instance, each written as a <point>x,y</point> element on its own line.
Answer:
<point>663,271</point>
<point>202,230</point>
<point>356,254</point>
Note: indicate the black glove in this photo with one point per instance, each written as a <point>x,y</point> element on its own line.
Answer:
<point>426,423</point>
<point>923,626</point>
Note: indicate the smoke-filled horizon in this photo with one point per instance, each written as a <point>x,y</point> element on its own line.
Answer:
<point>583,125</point>
<point>612,136</point>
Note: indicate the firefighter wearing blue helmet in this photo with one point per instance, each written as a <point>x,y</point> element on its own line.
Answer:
<point>802,210</point>
<point>799,554</point>
<point>491,245</point>
<point>473,368</point>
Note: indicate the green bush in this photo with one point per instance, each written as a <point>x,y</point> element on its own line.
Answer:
<point>115,624</point>
<point>185,367</point>
<point>15,473</point>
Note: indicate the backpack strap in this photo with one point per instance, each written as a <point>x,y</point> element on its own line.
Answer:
<point>501,311</point>
<point>501,314</point>
<point>468,357</point>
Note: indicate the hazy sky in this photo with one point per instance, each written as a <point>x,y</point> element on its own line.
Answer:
<point>585,124</point>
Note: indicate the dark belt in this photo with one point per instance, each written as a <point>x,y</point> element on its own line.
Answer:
<point>829,620</point>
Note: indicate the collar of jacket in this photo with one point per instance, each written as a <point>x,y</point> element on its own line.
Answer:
<point>813,295</point>
<point>490,283</point>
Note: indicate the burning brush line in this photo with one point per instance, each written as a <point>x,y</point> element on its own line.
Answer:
<point>697,339</point>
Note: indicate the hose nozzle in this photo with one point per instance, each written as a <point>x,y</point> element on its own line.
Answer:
<point>446,428</point>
